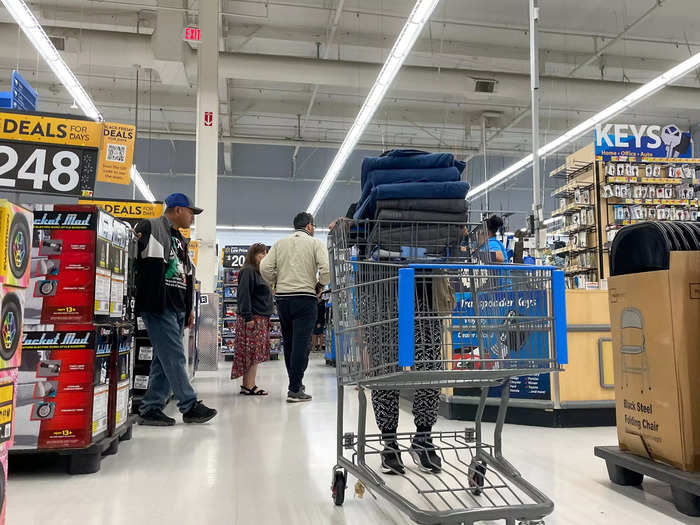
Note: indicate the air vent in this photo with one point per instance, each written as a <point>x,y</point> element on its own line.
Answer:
<point>58,42</point>
<point>484,85</point>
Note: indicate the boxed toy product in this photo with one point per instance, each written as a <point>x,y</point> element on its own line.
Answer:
<point>63,388</point>
<point>70,269</point>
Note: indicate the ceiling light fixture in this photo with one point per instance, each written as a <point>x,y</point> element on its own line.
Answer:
<point>137,179</point>
<point>36,35</point>
<point>402,47</point>
<point>639,94</point>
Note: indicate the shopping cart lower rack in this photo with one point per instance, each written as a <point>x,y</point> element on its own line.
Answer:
<point>396,330</point>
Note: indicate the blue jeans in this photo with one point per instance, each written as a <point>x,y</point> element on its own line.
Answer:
<point>168,369</point>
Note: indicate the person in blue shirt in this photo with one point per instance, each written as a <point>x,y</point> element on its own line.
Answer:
<point>495,247</point>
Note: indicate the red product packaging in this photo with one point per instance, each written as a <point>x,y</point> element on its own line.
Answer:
<point>70,268</point>
<point>63,389</point>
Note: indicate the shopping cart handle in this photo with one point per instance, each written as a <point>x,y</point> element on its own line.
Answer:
<point>515,267</point>
<point>406,317</point>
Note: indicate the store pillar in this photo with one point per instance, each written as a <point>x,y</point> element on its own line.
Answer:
<point>207,143</point>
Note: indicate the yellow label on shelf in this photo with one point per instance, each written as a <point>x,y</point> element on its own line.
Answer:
<point>7,393</point>
<point>5,414</point>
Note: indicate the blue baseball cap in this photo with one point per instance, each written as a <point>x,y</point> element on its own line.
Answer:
<point>182,200</point>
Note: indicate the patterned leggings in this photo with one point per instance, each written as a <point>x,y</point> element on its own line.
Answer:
<point>381,342</point>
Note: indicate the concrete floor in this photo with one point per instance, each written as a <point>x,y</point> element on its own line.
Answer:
<point>263,461</point>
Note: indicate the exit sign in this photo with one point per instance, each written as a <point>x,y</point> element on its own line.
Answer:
<point>193,34</point>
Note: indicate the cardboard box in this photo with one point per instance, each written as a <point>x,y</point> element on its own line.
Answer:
<point>655,320</point>
<point>15,244</point>
<point>63,388</point>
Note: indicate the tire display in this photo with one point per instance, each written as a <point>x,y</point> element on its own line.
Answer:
<point>19,245</point>
<point>10,326</point>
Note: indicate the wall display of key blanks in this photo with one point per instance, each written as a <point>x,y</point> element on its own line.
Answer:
<point>578,205</point>
<point>624,190</point>
<point>653,189</point>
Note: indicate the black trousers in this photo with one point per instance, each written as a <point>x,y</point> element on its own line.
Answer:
<point>297,319</point>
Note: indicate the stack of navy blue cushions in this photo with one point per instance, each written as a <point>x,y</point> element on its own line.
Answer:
<point>411,185</point>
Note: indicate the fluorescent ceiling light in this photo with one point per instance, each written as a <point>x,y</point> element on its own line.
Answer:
<point>263,228</point>
<point>639,94</point>
<point>553,219</point>
<point>402,47</point>
<point>137,179</point>
<point>35,33</point>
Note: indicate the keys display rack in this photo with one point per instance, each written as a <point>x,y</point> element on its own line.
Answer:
<point>598,197</point>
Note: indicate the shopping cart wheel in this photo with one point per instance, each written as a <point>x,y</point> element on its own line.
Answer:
<point>340,479</point>
<point>623,476</point>
<point>476,478</point>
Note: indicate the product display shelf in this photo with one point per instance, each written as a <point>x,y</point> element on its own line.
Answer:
<point>598,197</point>
<point>578,208</point>
<point>229,303</point>
<point>275,338</point>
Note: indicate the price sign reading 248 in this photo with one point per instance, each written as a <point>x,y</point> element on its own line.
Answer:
<point>47,168</point>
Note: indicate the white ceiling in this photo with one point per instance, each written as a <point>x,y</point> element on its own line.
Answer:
<point>272,59</point>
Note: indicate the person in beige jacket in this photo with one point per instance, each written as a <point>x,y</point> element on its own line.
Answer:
<point>293,267</point>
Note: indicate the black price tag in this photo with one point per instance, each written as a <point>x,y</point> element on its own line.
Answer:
<point>48,168</point>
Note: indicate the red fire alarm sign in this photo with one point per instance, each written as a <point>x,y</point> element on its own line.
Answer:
<point>208,118</point>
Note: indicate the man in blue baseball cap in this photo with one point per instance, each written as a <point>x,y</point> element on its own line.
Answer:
<point>164,300</point>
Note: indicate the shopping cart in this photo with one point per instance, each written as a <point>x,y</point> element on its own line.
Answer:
<point>396,328</point>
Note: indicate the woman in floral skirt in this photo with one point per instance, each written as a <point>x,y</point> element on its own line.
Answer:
<point>252,343</point>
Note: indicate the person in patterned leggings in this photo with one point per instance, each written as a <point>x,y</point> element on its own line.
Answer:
<point>378,307</point>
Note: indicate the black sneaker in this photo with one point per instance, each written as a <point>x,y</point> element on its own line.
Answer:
<point>155,418</point>
<point>297,397</point>
<point>199,413</point>
<point>425,456</point>
<point>391,458</point>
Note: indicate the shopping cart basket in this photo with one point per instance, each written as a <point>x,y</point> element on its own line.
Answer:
<point>395,329</point>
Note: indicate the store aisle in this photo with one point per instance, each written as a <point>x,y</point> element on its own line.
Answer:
<point>262,461</point>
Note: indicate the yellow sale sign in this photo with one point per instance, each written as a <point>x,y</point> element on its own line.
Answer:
<point>116,153</point>
<point>125,209</point>
<point>49,130</point>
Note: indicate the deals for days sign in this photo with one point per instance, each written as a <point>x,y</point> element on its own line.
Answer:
<point>130,210</point>
<point>116,153</point>
<point>50,154</point>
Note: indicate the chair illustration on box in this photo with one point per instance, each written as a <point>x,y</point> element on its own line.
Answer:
<point>634,344</point>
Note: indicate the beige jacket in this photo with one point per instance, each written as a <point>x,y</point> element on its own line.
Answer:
<point>295,264</point>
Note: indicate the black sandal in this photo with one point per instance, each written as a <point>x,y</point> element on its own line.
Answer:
<point>255,391</point>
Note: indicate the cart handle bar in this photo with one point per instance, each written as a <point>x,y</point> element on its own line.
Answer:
<point>516,267</point>
<point>407,312</point>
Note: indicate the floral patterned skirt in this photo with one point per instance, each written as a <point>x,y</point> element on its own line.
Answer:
<point>251,346</point>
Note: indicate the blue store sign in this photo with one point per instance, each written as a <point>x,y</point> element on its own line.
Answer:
<point>498,337</point>
<point>637,142</point>
<point>22,96</point>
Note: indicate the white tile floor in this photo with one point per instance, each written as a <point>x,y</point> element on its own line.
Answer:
<point>262,461</point>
